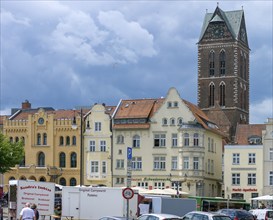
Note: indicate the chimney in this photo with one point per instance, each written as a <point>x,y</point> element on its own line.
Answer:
<point>26,105</point>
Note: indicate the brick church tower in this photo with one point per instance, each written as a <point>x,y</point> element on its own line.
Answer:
<point>223,69</point>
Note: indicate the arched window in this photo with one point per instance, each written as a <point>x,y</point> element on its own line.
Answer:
<point>16,139</point>
<point>38,139</point>
<point>120,139</point>
<point>23,140</point>
<point>23,162</point>
<point>211,94</point>
<point>42,179</point>
<point>73,160</point>
<point>11,139</point>
<point>62,181</point>
<point>23,178</point>
<point>74,140</point>
<point>62,159</point>
<point>172,121</point>
<point>41,159</point>
<point>222,94</point>
<point>186,139</point>
<point>179,121</point>
<point>61,141</point>
<point>136,141</point>
<point>67,140</point>
<point>73,182</point>
<point>211,63</point>
<point>164,121</point>
<point>222,63</point>
<point>195,139</point>
<point>44,139</point>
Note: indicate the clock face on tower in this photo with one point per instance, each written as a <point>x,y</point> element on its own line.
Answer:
<point>217,31</point>
<point>41,121</point>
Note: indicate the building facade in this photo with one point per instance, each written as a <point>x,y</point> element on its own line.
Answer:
<point>223,69</point>
<point>173,144</point>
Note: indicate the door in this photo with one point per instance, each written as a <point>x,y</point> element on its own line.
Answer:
<point>74,204</point>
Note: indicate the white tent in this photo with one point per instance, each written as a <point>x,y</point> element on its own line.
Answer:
<point>157,192</point>
<point>264,198</point>
<point>174,192</point>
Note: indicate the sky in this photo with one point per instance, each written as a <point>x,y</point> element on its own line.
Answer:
<point>64,54</point>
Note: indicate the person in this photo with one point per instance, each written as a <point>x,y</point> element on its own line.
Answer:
<point>27,213</point>
<point>57,212</point>
<point>34,208</point>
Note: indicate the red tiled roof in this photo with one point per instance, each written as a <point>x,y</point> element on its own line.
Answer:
<point>244,131</point>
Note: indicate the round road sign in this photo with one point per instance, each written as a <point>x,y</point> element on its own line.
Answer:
<point>127,193</point>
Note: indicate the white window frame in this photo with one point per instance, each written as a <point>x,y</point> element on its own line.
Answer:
<point>186,138</point>
<point>236,179</point>
<point>196,139</point>
<point>103,167</point>
<point>159,163</point>
<point>174,140</point>
<point>120,139</point>
<point>119,164</point>
<point>137,163</point>
<point>236,159</point>
<point>251,179</point>
<point>97,126</point>
<point>271,154</point>
<point>186,163</point>
<point>174,163</point>
<point>251,158</point>
<point>94,167</point>
<point>136,141</point>
<point>196,163</point>
<point>103,146</point>
<point>159,140</point>
<point>159,185</point>
<point>92,146</point>
<point>270,178</point>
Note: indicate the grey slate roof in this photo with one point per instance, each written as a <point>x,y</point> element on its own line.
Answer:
<point>232,19</point>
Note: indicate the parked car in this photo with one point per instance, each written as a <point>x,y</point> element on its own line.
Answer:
<point>199,215</point>
<point>262,214</point>
<point>161,216</point>
<point>114,218</point>
<point>237,214</point>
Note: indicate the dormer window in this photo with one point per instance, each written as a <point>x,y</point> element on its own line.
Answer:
<point>169,104</point>
<point>255,140</point>
<point>164,121</point>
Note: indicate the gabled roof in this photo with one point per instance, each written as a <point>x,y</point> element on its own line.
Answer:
<point>232,19</point>
<point>244,131</point>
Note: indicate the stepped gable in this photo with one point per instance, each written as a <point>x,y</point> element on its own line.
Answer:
<point>245,131</point>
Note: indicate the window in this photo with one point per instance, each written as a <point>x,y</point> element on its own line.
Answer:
<point>211,94</point>
<point>44,139</point>
<point>270,178</point>
<point>208,144</point>
<point>159,185</point>
<point>120,164</point>
<point>62,181</point>
<point>103,167</point>
<point>159,140</point>
<point>186,139</point>
<point>92,146</point>
<point>174,140</point>
<point>16,139</point>
<point>73,160</point>
<point>143,184</point>
<point>164,121</point>
<point>208,165</point>
<point>120,139</point>
<point>74,140</point>
<point>97,126</point>
<point>211,63</point>
<point>172,121</point>
<point>38,139</point>
<point>103,146</point>
<point>120,180</point>
<point>251,158</point>
<point>175,104</point>
<point>136,163</point>
<point>212,166</point>
<point>271,154</point>
<point>235,159</point>
<point>196,139</point>
<point>236,179</point>
<point>195,163</point>
<point>251,178</point>
<point>73,182</point>
<point>222,94</point>
<point>41,159</point>
<point>222,63</point>
<point>11,139</point>
<point>94,167</point>
<point>159,163</point>
<point>174,163</point>
<point>179,121</point>
<point>169,104</point>
<point>61,142</point>
<point>67,140</point>
<point>62,159</point>
<point>136,141</point>
<point>186,163</point>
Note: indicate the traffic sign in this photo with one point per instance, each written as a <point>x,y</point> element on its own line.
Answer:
<point>127,193</point>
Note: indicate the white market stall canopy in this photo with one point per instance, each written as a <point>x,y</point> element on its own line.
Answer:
<point>266,197</point>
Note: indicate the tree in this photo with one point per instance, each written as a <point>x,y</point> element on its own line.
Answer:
<point>10,153</point>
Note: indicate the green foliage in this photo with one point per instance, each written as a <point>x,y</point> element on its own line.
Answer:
<point>10,153</point>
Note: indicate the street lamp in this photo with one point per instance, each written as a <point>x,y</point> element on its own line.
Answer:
<point>178,182</point>
<point>74,126</point>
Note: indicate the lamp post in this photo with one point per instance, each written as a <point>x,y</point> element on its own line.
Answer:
<point>178,182</point>
<point>74,126</point>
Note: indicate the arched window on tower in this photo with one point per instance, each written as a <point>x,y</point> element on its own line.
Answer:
<point>211,63</point>
<point>73,160</point>
<point>44,139</point>
<point>38,139</point>
<point>222,94</point>
<point>62,159</point>
<point>222,63</point>
<point>211,94</point>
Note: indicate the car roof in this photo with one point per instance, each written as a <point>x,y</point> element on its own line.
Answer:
<point>165,215</point>
<point>206,213</point>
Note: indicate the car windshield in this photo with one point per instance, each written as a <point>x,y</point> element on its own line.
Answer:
<point>221,218</point>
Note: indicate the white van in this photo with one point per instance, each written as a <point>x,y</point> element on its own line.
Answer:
<point>262,214</point>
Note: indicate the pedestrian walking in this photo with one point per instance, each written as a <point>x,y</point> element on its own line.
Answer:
<point>36,212</point>
<point>27,213</point>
